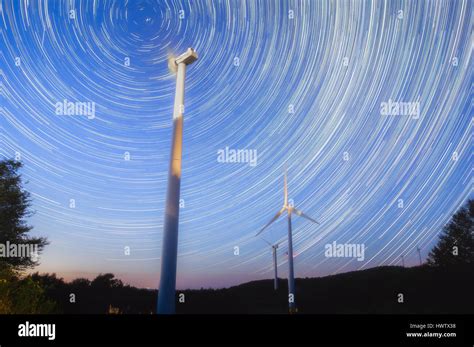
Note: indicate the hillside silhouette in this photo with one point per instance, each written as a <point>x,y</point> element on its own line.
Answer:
<point>425,290</point>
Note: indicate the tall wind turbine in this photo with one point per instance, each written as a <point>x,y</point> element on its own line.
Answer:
<point>166,294</point>
<point>275,266</point>
<point>290,210</point>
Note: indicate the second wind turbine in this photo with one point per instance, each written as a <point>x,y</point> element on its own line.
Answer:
<point>275,262</point>
<point>291,275</point>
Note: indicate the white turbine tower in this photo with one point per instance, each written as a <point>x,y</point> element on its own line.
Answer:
<point>291,275</point>
<point>275,263</point>
<point>167,291</point>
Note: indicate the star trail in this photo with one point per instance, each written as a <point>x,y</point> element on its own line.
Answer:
<point>296,83</point>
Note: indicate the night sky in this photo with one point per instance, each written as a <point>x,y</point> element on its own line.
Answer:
<point>299,82</point>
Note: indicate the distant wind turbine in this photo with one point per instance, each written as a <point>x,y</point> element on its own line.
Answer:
<point>290,210</point>
<point>418,249</point>
<point>275,266</point>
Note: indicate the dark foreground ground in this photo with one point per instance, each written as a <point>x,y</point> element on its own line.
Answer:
<point>376,290</point>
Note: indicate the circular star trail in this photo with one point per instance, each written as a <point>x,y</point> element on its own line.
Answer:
<point>301,83</point>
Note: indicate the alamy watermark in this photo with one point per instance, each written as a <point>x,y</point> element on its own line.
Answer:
<point>78,108</point>
<point>28,329</point>
<point>345,250</point>
<point>229,155</point>
<point>23,250</point>
<point>398,108</point>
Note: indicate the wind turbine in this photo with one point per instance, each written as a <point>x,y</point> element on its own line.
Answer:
<point>167,291</point>
<point>275,269</point>
<point>290,210</point>
<point>418,249</point>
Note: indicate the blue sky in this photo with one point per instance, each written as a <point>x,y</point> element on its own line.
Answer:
<point>299,82</point>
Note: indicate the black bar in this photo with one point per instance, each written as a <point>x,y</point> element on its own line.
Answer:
<point>261,329</point>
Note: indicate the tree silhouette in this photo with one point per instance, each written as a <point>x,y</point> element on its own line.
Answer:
<point>22,295</point>
<point>81,283</point>
<point>456,244</point>
<point>14,208</point>
<point>106,281</point>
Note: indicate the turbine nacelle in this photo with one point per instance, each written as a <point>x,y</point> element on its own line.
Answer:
<point>188,57</point>
<point>273,246</point>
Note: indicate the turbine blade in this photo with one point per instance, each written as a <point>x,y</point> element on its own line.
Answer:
<point>271,221</point>
<point>285,189</point>
<point>268,243</point>
<point>173,68</point>
<point>301,214</point>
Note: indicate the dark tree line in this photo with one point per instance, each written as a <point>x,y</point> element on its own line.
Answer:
<point>104,294</point>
